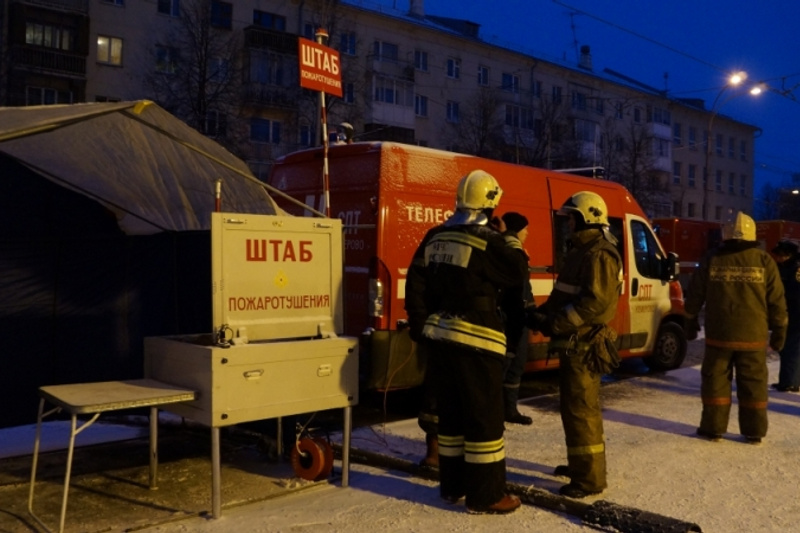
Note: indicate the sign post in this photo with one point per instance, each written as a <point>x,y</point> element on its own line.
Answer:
<point>319,71</point>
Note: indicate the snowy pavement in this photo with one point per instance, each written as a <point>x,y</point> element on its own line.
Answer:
<point>656,463</point>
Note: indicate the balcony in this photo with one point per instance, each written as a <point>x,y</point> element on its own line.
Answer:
<point>270,95</point>
<point>68,6</point>
<point>48,61</point>
<point>276,41</point>
<point>394,69</point>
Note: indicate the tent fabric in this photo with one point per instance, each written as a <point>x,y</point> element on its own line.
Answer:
<point>151,170</point>
<point>104,240</point>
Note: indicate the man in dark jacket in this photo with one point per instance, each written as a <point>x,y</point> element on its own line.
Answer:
<point>575,314</point>
<point>741,288</point>
<point>788,259</point>
<point>452,290</point>
<point>516,302</point>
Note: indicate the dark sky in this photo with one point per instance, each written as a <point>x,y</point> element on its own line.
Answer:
<point>696,44</point>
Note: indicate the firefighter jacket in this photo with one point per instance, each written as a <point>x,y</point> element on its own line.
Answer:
<point>453,284</point>
<point>587,289</point>
<point>741,287</point>
<point>790,276</point>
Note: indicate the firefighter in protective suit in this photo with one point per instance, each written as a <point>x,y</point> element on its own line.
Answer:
<point>452,291</point>
<point>740,285</point>
<point>575,316</point>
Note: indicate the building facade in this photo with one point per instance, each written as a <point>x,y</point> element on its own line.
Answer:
<point>230,69</point>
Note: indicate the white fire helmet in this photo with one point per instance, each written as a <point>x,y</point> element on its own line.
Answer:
<point>742,228</point>
<point>589,205</point>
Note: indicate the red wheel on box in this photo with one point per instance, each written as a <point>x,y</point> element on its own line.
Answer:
<point>312,459</point>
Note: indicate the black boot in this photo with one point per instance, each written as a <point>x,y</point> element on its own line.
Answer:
<point>515,417</point>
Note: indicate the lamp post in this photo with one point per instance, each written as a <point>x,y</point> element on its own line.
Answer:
<point>732,82</point>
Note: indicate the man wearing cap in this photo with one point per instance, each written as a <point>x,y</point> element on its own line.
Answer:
<point>786,255</point>
<point>742,290</point>
<point>516,301</point>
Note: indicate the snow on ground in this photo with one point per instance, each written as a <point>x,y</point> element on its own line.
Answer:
<point>656,463</point>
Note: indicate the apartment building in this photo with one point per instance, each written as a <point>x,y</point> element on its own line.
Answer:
<point>230,69</point>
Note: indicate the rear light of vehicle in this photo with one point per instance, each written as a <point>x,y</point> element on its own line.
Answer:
<point>375,298</point>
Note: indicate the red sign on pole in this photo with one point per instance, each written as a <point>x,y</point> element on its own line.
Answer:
<point>319,67</point>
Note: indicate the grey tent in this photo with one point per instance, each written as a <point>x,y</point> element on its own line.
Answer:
<point>104,218</point>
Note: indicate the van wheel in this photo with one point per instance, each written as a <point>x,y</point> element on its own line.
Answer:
<point>670,348</point>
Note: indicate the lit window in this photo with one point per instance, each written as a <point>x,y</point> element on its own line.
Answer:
<point>109,50</point>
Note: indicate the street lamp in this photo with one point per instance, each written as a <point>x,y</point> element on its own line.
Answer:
<point>733,81</point>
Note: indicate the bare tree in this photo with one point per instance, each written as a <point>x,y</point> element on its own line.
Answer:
<point>479,130</point>
<point>197,73</point>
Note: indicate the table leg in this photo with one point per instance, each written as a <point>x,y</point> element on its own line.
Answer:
<point>348,428</point>
<point>153,448</point>
<point>216,504</point>
<point>35,457</point>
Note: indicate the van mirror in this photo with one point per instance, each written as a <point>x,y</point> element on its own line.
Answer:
<point>671,268</point>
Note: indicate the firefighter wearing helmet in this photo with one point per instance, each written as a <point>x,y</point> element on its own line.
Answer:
<point>740,285</point>
<point>576,317</point>
<point>451,299</point>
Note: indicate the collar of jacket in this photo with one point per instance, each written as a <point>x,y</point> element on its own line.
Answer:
<point>735,245</point>
<point>585,235</point>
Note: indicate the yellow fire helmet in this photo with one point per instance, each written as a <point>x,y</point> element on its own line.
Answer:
<point>589,205</point>
<point>741,228</point>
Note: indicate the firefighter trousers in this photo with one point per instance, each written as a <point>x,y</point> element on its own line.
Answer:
<point>717,371</point>
<point>582,420</point>
<point>469,401</point>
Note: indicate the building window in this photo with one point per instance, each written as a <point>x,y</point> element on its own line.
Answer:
<point>453,68</point>
<point>263,130</point>
<point>452,111</point>
<point>659,115</point>
<point>49,36</point>
<point>742,185</point>
<point>556,94</point>
<point>218,69</point>
<point>731,183</point>
<point>585,131</point>
<point>677,135</point>
<point>578,101</point>
<point>385,51</point>
<point>268,20</point>
<point>637,115</point>
<point>676,173</point>
<point>349,93</point>
<point>46,96</point>
<point>537,89</point>
<point>221,14</point>
<point>717,212</point>
<point>618,111</point>
<point>109,50</point>
<point>166,59</point>
<point>691,176</point>
<point>305,135</point>
<point>718,181</point>
<point>483,75</point>
<point>690,210</point>
<point>718,143</point>
<point>347,43</point>
<point>676,209</point>
<point>599,106</point>
<point>170,7</point>
<point>510,82</point>
<point>731,147</point>
<point>265,68</point>
<point>420,105</point>
<point>692,138</point>
<point>421,60</point>
<point>114,2</point>
<point>393,91</point>
<point>519,117</point>
<point>743,150</point>
<point>215,124</point>
<point>310,31</point>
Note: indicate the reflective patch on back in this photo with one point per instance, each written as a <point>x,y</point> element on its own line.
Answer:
<point>743,274</point>
<point>447,252</point>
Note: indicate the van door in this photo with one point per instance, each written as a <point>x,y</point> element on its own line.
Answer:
<point>648,294</point>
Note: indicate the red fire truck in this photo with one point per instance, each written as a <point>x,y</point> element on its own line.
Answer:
<point>688,238</point>
<point>388,195</point>
<point>769,232</point>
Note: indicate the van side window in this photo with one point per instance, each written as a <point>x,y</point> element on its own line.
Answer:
<point>646,251</point>
<point>561,238</point>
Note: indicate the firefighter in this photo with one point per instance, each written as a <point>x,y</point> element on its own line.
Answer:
<point>452,304</point>
<point>516,302</point>
<point>581,304</point>
<point>786,254</point>
<point>741,288</point>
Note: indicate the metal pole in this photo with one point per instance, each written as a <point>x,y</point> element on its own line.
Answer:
<point>322,36</point>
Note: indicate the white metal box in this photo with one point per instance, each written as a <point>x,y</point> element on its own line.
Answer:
<point>255,381</point>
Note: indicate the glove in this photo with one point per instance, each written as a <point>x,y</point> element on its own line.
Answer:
<point>538,322</point>
<point>692,328</point>
<point>777,338</point>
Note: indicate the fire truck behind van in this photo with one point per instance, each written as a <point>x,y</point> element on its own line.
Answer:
<point>690,239</point>
<point>388,195</point>
<point>770,232</point>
